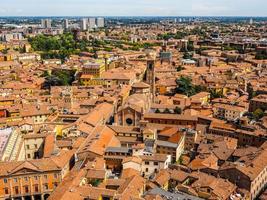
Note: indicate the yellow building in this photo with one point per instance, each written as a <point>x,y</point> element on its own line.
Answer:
<point>95,69</point>
<point>6,101</point>
<point>27,48</point>
<point>149,134</point>
<point>21,179</point>
<point>89,80</point>
<point>202,97</point>
<point>2,47</point>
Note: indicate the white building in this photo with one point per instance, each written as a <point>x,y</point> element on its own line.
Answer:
<point>7,37</point>
<point>46,23</point>
<point>152,164</point>
<point>83,24</point>
<point>147,165</point>
<point>91,23</point>
<point>66,24</point>
<point>100,22</point>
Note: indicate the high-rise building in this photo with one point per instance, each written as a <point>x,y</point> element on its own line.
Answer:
<point>83,24</point>
<point>251,21</point>
<point>42,23</point>
<point>66,24</point>
<point>100,22</point>
<point>46,23</point>
<point>91,23</point>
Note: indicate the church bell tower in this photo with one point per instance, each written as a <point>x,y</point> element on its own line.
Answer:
<point>150,73</point>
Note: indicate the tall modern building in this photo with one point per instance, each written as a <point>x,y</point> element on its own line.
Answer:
<point>83,25</point>
<point>46,23</point>
<point>100,22</point>
<point>66,24</point>
<point>91,23</point>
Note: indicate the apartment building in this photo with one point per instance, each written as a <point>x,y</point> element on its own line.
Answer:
<point>228,112</point>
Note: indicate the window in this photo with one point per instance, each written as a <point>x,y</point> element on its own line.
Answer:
<point>5,180</point>
<point>55,175</point>
<point>15,180</point>
<point>36,178</point>
<point>55,185</point>
<point>25,178</point>
<point>16,190</point>
<point>6,190</point>
<point>45,177</point>
<point>45,186</point>
<point>156,163</point>
<point>35,146</point>
<point>26,189</point>
<point>36,189</point>
<point>146,169</point>
<point>28,146</point>
<point>28,155</point>
<point>150,66</point>
<point>129,121</point>
<point>146,163</point>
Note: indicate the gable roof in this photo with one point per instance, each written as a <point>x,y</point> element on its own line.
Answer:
<point>25,165</point>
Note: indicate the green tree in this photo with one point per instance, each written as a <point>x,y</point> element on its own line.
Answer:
<point>260,56</point>
<point>45,74</point>
<point>59,78</point>
<point>177,110</point>
<point>5,51</point>
<point>187,56</point>
<point>180,160</point>
<point>258,114</point>
<point>186,87</point>
<point>157,111</point>
<point>215,94</point>
<point>190,46</point>
<point>95,183</point>
<point>60,47</point>
<point>167,111</point>
<point>180,68</point>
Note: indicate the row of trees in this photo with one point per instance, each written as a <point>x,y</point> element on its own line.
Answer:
<point>261,56</point>
<point>177,110</point>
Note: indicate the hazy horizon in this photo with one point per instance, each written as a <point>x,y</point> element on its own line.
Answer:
<point>150,8</point>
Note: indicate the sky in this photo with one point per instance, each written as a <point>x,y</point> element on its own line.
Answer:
<point>133,8</point>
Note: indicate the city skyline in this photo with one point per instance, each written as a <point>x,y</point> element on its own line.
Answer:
<point>136,8</point>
